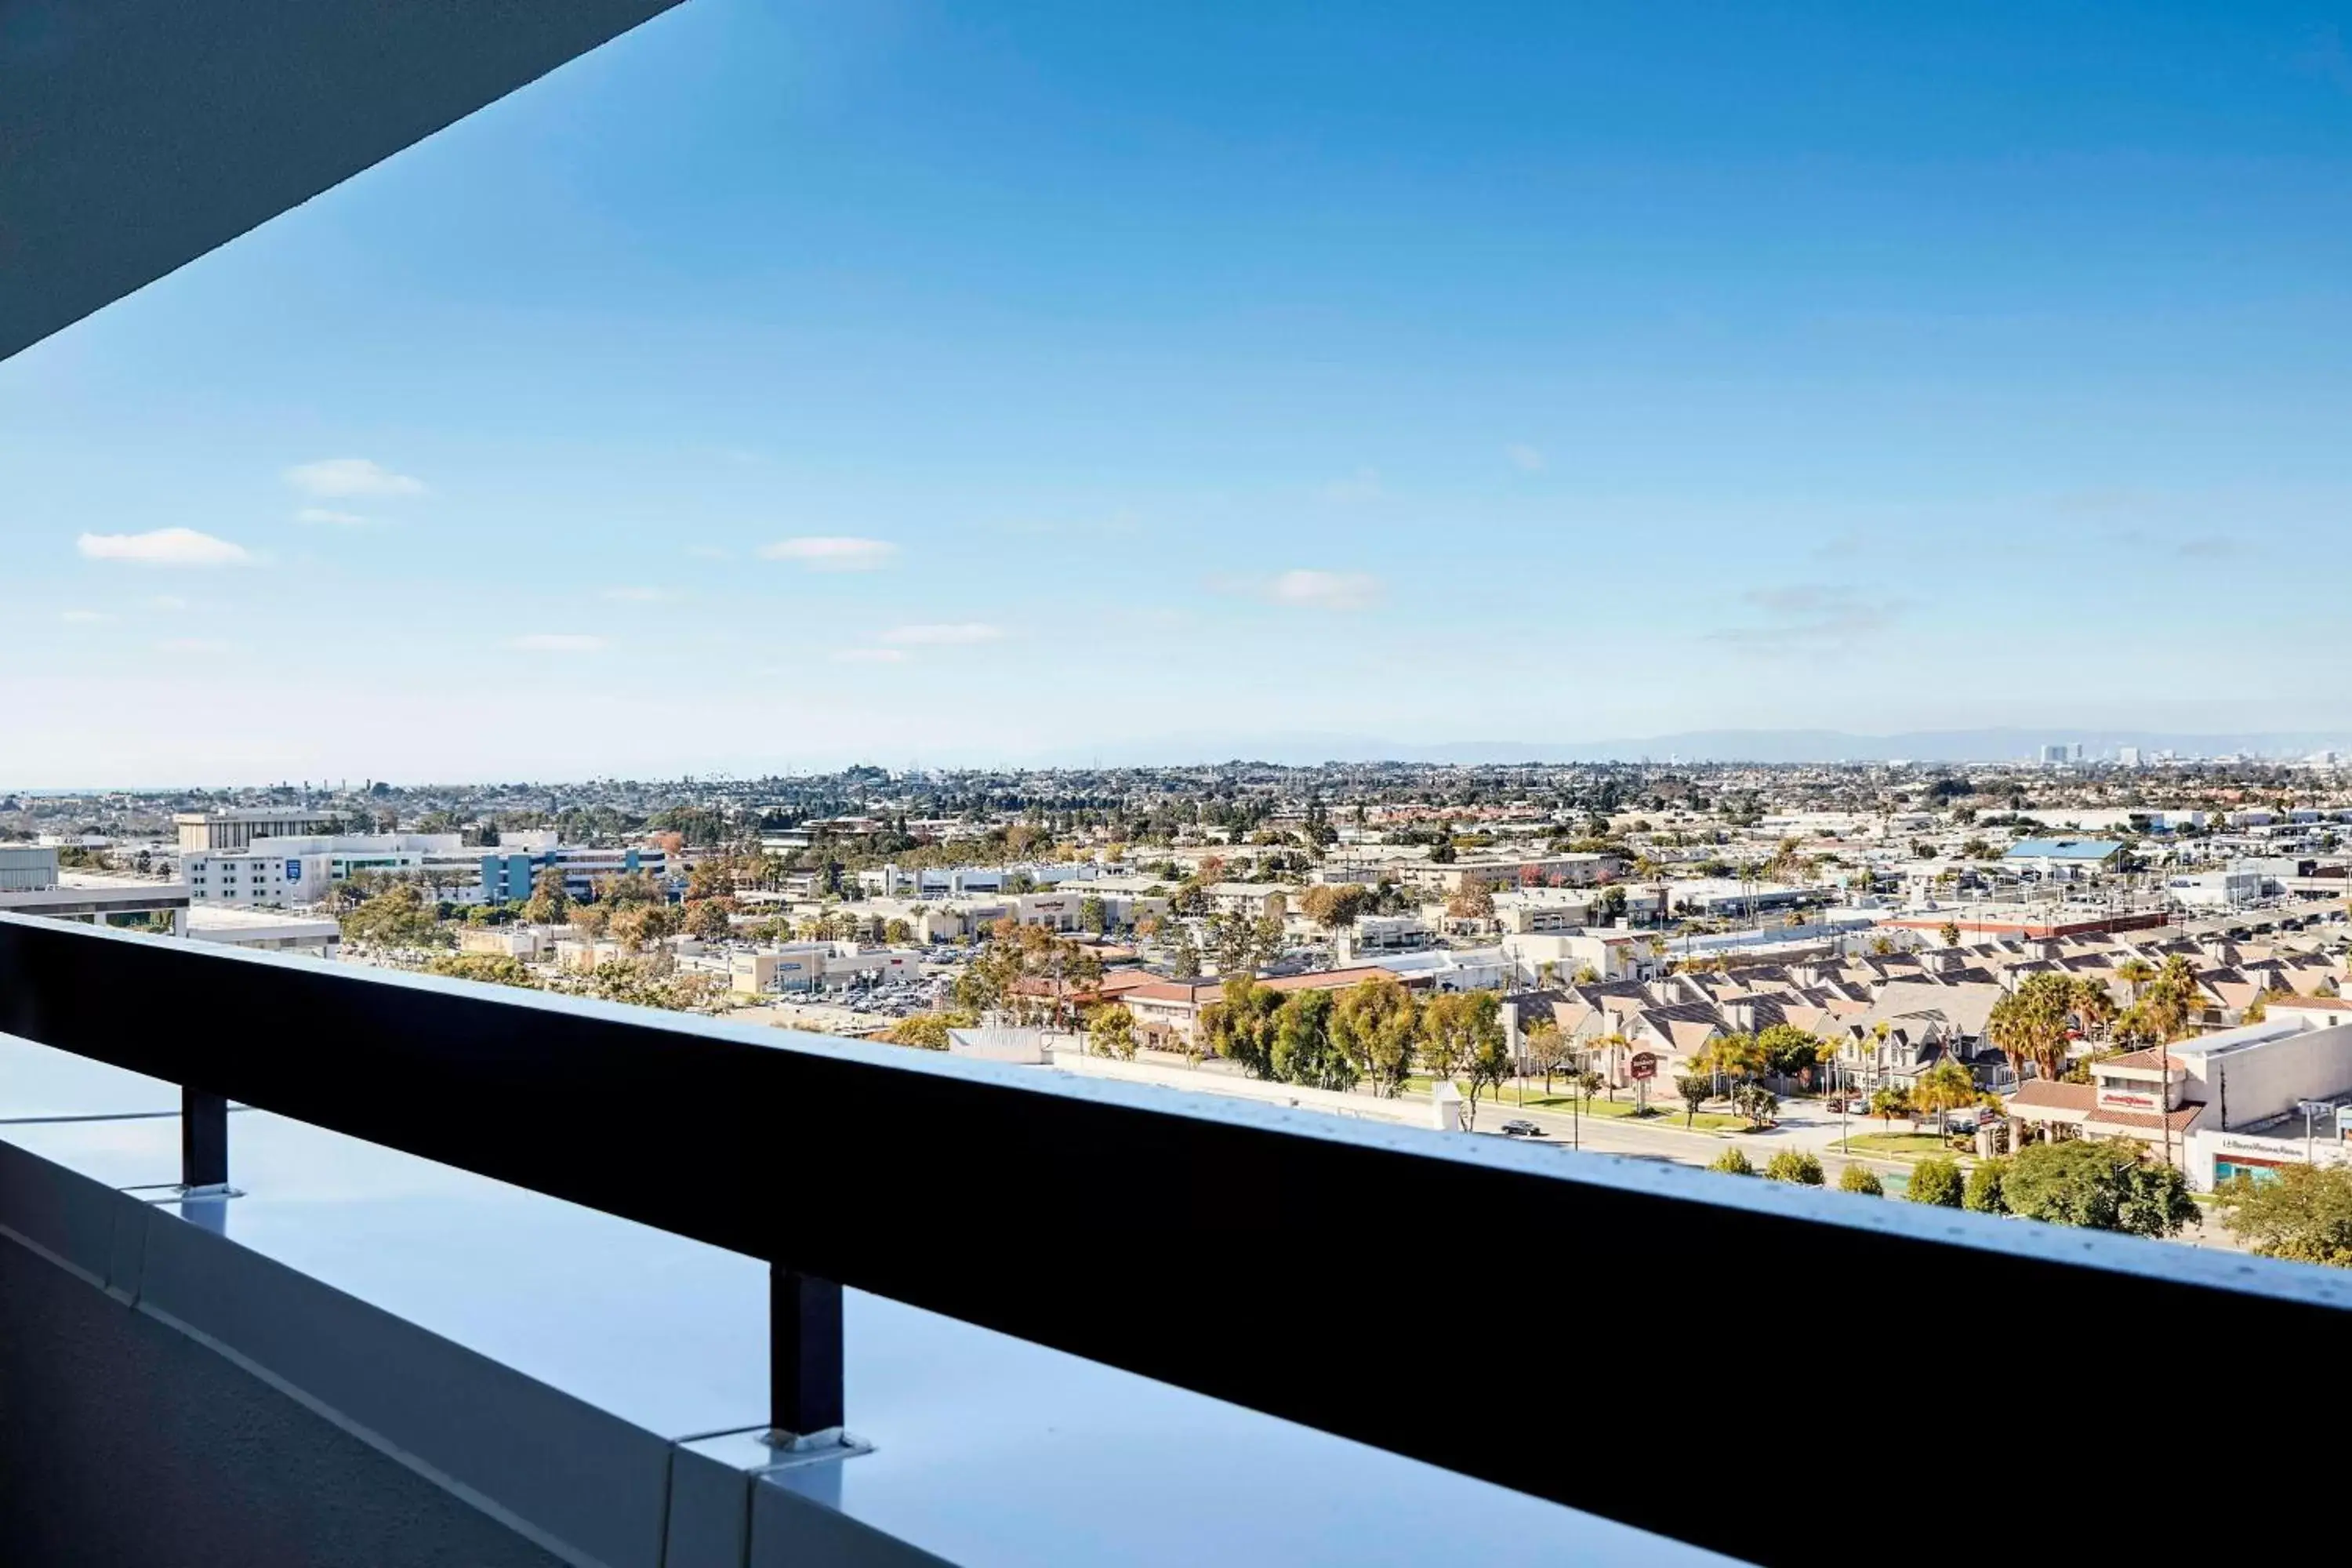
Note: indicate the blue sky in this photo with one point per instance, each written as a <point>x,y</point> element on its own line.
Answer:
<point>798,382</point>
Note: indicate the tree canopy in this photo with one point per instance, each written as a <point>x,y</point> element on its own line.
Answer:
<point>2302,1213</point>
<point>2097,1184</point>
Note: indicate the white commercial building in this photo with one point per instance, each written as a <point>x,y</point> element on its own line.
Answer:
<point>259,932</point>
<point>278,870</point>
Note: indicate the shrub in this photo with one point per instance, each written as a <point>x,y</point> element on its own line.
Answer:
<point>1794,1165</point>
<point>1984,1195</point>
<point>1732,1162</point>
<point>1860,1179</point>
<point>1936,1182</point>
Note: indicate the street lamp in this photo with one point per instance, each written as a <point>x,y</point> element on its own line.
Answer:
<point>2311,1109</point>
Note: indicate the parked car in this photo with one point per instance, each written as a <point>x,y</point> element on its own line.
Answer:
<point>1517,1129</point>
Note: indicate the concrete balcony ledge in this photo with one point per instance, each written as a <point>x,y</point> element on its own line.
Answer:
<point>368,1357</point>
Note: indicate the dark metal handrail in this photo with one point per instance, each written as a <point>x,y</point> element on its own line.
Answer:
<point>1372,1282</point>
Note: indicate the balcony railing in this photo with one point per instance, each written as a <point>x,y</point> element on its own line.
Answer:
<point>1072,1212</point>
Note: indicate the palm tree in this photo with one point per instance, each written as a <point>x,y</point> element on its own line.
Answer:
<point>2135,972</point>
<point>1943,1089</point>
<point>2095,1005</point>
<point>1612,1043</point>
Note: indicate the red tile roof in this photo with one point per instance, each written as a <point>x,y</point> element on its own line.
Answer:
<point>2048,1094</point>
<point>2147,1060</point>
<point>2143,1121</point>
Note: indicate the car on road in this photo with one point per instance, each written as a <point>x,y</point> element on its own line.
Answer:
<point>1519,1129</point>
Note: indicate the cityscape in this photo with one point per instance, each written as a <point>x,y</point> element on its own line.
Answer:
<point>804,786</point>
<point>2022,988</point>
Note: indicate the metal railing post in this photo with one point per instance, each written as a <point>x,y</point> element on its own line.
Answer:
<point>204,1139</point>
<point>805,1398</point>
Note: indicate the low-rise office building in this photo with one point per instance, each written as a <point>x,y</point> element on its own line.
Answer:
<point>261,931</point>
<point>214,831</point>
<point>510,876</point>
<point>31,884</point>
<point>1579,868</point>
<point>2226,1104</point>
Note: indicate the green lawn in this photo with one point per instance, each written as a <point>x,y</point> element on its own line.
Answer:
<point>1668,1115</point>
<point>1906,1145</point>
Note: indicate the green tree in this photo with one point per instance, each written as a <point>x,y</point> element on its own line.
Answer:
<point>1936,1182</point>
<point>2303,1214</point>
<point>398,917</point>
<point>1333,908</point>
<point>1110,1031</point>
<point>2136,973</point>
<point>1694,1087</point>
<point>1546,1049</point>
<point>1796,1165</point>
<point>1943,1089</point>
<point>1093,915</point>
<point>1950,933</point>
<point>1303,1050</point>
<point>636,926</point>
<point>1239,1026</point>
<point>1889,1103</point>
<point>1759,1105</point>
<point>2095,1005</point>
<point>1732,1162</point>
<point>1984,1195</point>
<point>2097,1184</point>
<point>929,1031</point>
<point>1184,954</point>
<point>706,920</point>
<point>1859,1178</point>
<point>1376,1025</point>
<point>1444,1039</point>
<point>484,968</point>
<point>548,904</point>
<point>2028,1024</point>
<point>1788,1051</point>
<point>1488,1062</point>
<point>1462,1034</point>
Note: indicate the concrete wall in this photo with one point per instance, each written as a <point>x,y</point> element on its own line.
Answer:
<point>2266,1080</point>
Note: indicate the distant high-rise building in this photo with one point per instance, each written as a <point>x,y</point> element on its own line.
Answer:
<point>2127,756</point>
<point>2074,752</point>
<point>2052,756</point>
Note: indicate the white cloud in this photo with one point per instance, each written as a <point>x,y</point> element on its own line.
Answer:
<point>957,634</point>
<point>330,517</point>
<point>642,595</point>
<point>169,603</point>
<point>871,656</point>
<point>1363,485</point>
<point>1525,458</point>
<point>85,617</point>
<point>1809,617</point>
<point>827,553</point>
<point>164,547</point>
<point>1326,590</point>
<point>193,645</point>
<point>559,642</point>
<point>333,478</point>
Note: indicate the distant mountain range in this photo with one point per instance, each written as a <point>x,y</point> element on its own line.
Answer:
<point>1997,745</point>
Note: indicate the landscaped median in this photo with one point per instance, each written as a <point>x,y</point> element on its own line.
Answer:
<point>1897,1145</point>
<point>1626,1111</point>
